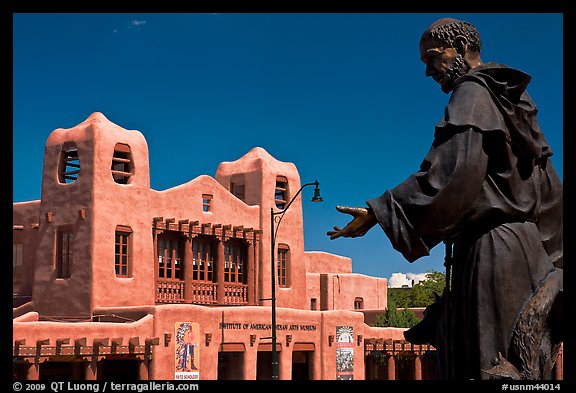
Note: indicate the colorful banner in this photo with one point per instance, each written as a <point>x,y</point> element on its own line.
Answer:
<point>187,350</point>
<point>344,352</point>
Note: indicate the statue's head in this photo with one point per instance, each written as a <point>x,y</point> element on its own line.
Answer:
<point>450,48</point>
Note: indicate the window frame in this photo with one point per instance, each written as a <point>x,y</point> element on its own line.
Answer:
<point>202,264</point>
<point>313,304</point>
<point>64,246</point>
<point>69,166</point>
<point>124,232</point>
<point>235,261</point>
<point>283,265</point>
<point>122,168</point>
<point>207,202</point>
<point>281,192</point>
<point>172,263</point>
<point>17,255</point>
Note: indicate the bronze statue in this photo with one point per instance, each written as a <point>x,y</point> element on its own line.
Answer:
<point>487,189</point>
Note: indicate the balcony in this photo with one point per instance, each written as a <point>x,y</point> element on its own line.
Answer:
<point>176,291</point>
<point>170,291</point>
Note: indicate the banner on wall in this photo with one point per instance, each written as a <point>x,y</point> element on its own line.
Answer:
<point>187,350</point>
<point>344,352</point>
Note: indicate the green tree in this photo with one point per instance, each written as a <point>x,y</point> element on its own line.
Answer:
<point>421,294</point>
<point>393,318</point>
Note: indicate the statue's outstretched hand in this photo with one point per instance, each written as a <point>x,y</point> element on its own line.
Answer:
<point>364,219</point>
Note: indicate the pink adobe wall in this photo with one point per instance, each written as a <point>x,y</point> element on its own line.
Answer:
<point>73,296</point>
<point>261,171</point>
<point>32,331</point>
<point>330,321</point>
<point>120,204</point>
<point>185,201</point>
<point>25,214</point>
<point>323,262</point>
<point>338,291</point>
<point>386,333</point>
<point>31,316</point>
<point>239,322</point>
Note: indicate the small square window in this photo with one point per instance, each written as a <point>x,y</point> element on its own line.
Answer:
<point>313,304</point>
<point>206,202</point>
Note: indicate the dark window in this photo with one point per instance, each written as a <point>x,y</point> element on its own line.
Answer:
<point>202,259</point>
<point>206,202</point>
<point>358,303</point>
<point>234,261</point>
<point>170,263</point>
<point>283,262</point>
<point>122,165</point>
<point>69,163</point>
<point>313,304</point>
<point>122,251</point>
<point>16,255</point>
<point>238,186</point>
<point>281,193</point>
<point>64,254</point>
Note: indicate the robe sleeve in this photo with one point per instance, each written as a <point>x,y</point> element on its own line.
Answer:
<point>430,205</point>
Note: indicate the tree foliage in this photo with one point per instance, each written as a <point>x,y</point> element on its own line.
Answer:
<point>421,294</point>
<point>396,318</point>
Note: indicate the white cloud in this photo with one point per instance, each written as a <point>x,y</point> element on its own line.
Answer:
<point>134,25</point>
<point>397,280</point>
<point>137,23</point>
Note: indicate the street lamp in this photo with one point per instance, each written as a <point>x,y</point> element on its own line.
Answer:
<point>273,216</point>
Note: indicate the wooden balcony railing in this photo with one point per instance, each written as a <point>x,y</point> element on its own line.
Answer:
<point>202,293</point>
<point>170,291</point>
<point>235,293</point>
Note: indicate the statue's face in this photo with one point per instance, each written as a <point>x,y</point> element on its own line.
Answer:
<point>439,60</point>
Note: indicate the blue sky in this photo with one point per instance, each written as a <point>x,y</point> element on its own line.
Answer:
<point>342,96</point>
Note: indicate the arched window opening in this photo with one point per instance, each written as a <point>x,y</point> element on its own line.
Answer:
<point>122,166</point>
<point>69,167</point>
<point>281,193</point>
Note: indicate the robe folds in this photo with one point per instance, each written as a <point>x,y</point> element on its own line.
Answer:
<point>488,186</point>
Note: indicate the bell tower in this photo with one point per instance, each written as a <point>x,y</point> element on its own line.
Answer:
<point>95,181</point>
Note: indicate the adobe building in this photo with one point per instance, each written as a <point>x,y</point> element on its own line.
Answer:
<point>113,279</point>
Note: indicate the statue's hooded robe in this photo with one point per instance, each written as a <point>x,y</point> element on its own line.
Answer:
<point>487,185</point>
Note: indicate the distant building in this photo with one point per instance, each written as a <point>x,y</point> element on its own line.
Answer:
<point>405,280</point>
<point>115,280</point>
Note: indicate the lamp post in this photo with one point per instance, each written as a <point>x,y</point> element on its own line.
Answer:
<point>273,216</point>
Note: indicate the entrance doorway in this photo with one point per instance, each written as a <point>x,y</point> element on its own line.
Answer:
<point>264,365</point>
<point>301,365</point>
<point>118,370</point>
<point>230,365</point>
<point>63,371</point>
